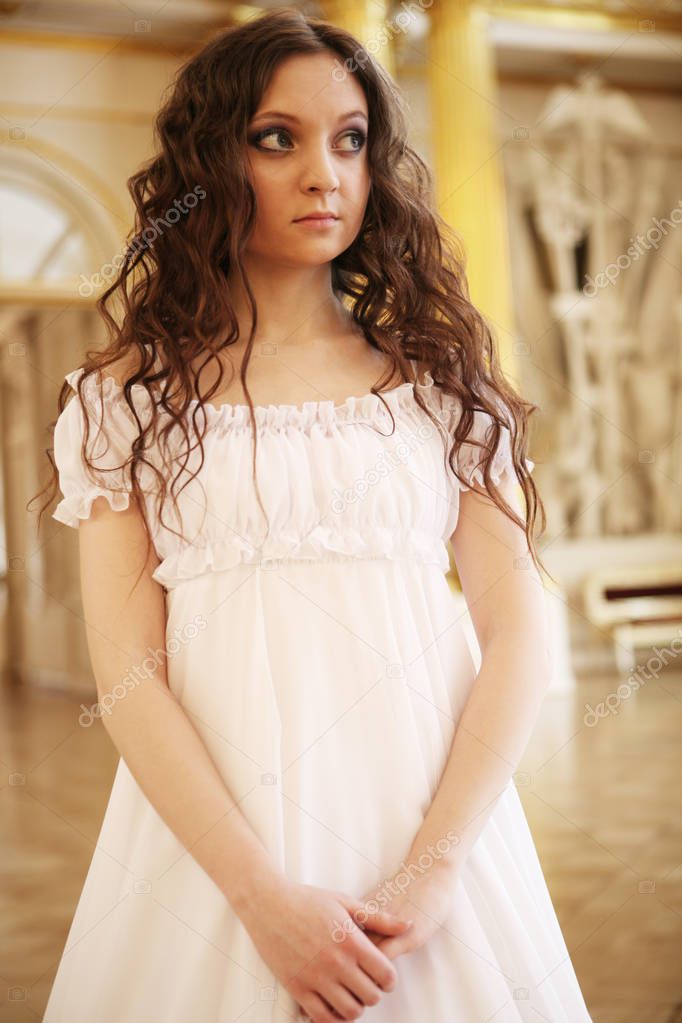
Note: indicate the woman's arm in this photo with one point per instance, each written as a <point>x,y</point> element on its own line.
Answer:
<point>148,726</point>
<point>507,603</point>
<point>293,925</point>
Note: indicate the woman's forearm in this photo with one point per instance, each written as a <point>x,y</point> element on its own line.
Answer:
<point>488,743</point>
<point>126,616</point>
<point>173,767</point>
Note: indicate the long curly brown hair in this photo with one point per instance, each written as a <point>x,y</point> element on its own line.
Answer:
<point>402,277</point>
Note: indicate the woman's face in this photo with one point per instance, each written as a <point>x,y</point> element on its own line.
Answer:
<point>309,156</point>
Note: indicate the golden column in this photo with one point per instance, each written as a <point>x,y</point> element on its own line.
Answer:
<point>466,158</point>
<point>369,22</point>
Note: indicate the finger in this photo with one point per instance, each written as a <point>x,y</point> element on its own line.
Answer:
<point>394,947</point>
<point>382,921</point>
<point>362,986</point>
<point>367,917</point>
<point>342,1000</point>
<point>317,1010</point>
<point>376,965</point>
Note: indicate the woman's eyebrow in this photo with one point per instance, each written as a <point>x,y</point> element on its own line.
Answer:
<point>297,120</point>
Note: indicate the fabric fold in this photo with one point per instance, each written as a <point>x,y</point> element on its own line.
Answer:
<point>364,489</point>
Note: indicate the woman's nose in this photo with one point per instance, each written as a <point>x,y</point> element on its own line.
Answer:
<point>319,171</point>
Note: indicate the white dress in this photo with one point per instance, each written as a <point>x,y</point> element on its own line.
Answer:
<point>325,667</point>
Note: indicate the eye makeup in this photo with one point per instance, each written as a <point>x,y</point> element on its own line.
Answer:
<point>277,129</point>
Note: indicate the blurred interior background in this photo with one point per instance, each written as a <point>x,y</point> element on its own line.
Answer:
<point>553,131</point>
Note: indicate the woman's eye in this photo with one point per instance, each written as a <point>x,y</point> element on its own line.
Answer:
<point>257,139</point>
<point>282,133</point>
<point>361,139</point>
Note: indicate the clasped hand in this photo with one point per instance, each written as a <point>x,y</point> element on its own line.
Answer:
<point>424,898</point>
<point>333,952</point>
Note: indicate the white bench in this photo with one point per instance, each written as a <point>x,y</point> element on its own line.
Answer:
<point>642,605</point>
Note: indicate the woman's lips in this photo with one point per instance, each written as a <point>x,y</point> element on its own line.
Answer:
<point>317,221</point>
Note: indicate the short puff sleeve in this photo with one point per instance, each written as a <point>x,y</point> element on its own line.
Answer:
<point>111,432</point>
<point>471,456</point>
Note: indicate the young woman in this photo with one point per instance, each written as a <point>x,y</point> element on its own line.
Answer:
<point>313,813</point>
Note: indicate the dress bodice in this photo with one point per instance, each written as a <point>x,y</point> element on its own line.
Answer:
<point>335,480</point>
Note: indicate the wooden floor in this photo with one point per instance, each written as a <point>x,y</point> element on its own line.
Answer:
<point>603,802</point>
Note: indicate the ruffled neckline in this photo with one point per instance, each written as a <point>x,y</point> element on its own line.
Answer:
<point>325,411</point>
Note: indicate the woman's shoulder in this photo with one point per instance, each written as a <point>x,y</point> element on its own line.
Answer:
<point>100,390</point>
<point>99,411</point>
<point>92,441</point>
<point>111,376</point>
